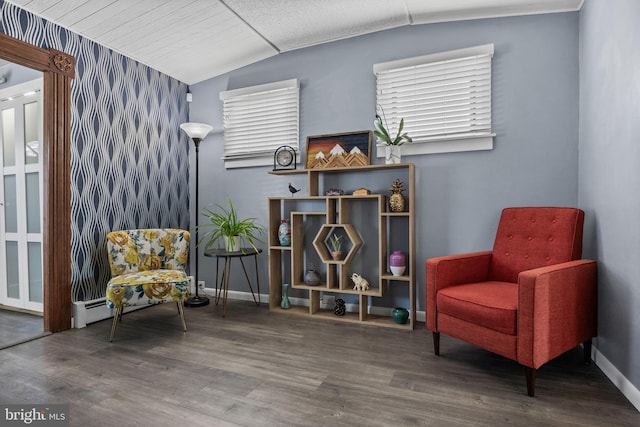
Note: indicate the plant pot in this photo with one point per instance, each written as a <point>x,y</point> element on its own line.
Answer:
<point>336,255</point>
<point>400,315</point>
<point>232,244</point>
<point>392,154</point>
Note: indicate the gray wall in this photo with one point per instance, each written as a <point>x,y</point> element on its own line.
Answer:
<point>459,196</point>
<point>609,183</point>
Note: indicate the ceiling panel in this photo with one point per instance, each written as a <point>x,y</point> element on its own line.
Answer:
<point>424,12</point>
<point>193,40</point>
<point>117,16</point>
<point>289,26</point>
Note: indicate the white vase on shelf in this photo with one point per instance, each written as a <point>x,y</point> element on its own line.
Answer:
<point>392,154</point>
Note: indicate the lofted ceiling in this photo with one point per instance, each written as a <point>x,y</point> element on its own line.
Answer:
<point>194,40</point>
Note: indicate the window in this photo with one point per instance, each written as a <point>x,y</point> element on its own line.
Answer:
<point>444,98</point>
<point>259,119</point>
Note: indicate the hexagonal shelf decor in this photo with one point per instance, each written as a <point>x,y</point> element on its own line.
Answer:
<point>325,232</point>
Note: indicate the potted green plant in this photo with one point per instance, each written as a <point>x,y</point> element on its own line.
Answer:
<point>224,224</point>
<point>336,246</point>
<point>392,154</point>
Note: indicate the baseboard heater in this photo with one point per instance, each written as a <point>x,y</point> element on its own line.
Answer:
<point>95,310</point>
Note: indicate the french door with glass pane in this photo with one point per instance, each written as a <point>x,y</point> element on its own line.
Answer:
<point>21,196</point>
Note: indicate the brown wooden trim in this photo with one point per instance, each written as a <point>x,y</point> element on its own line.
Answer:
<point>63,63</point>
<point>58,69</point>
<point>23,53</point>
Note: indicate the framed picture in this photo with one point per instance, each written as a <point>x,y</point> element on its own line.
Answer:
<point>339,150</point>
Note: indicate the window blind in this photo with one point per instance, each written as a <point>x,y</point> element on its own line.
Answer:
<point>259,119</point>
<point>440,96</point>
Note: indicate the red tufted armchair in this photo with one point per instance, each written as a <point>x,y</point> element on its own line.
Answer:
<point>530,299</point>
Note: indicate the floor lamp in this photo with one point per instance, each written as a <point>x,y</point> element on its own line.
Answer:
<point>197,132</point>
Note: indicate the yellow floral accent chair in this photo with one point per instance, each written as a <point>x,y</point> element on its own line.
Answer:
<point>147,267</point>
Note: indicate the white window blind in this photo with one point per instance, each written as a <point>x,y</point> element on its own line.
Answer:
<point>259,119</point>
<point>444,96</point>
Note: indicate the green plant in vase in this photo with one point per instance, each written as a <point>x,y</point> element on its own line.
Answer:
<point>336,246</point>
<point>392,143</point>
<point>383,134</point>
<point>224,224</point>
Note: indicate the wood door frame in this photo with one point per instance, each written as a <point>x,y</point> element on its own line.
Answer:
<point>58,69</point>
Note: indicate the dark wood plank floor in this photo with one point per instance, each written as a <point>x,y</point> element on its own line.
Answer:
<point>256,368</point>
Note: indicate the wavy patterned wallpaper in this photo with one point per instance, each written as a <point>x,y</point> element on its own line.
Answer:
<point>129,160</point>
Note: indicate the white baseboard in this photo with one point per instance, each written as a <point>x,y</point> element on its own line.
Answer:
<point>615,376</point>
<point>86,312</point>
<point>351,308</point>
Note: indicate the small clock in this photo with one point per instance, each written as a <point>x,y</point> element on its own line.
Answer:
<point>284,158</point>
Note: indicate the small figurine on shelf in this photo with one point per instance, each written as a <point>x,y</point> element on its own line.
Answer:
<point>293,190</point>
<point>361,284</point>
<point>361,192</point>
<point>334,192</point>
<point>396,201</point>
<point>341,308</point>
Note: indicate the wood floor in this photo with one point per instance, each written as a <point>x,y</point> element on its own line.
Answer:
<point>255,368</point>
<point>17,327</point>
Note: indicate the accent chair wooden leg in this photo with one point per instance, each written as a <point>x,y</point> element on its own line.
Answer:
<point>116,318</point>
<point>530,373</point>
<point>436,343</point>
<point>181,311</point>
<point>586,346</point>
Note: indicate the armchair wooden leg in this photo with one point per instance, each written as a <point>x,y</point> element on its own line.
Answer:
<point>181,311</point>
<point>530,373</point>
<point>436,343</point>
<point>586,346</point>
<point>116,318</point>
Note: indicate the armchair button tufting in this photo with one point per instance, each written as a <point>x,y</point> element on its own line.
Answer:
<point>547,258</point>
<point>529,238</point>
<point>506,253</point>
<point>526,256</point>
<point>551,239</point>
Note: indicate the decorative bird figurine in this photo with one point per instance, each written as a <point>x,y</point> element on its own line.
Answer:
<point>293,189</point>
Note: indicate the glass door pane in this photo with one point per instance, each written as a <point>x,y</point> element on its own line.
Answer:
<point>8,137</point>
<point>35,271</point>
<point>13,275</point>
<point>10,205</point>
<point>32,181</point>
<point>31,142</point>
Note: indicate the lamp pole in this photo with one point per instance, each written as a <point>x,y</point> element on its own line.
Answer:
<point>197,132</point>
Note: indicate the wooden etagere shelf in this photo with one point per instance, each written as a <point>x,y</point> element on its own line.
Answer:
<point>312,218</point>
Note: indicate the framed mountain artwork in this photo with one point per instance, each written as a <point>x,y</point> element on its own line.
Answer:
<point>339,150</point>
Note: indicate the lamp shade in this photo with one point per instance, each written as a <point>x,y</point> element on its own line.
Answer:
<point>196,130</point>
